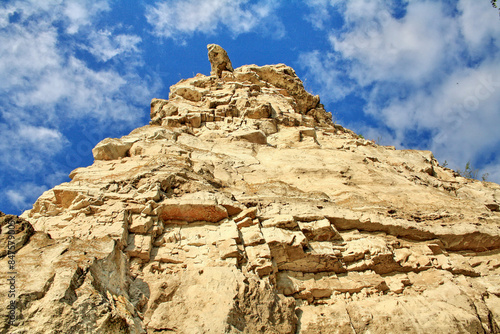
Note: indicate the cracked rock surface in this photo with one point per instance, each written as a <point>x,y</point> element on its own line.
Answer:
<point>242,208</point>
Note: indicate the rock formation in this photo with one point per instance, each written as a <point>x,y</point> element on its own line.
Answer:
<point>219,60</point>
<point>242,208</point>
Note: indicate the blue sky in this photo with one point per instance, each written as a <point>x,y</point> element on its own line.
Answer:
<point>414,74</point>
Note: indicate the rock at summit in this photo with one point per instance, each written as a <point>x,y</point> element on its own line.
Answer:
<point>219,60</point>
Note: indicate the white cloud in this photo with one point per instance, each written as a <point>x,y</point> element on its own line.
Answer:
<point>38,71</point>
<point>24,195</point>
<point>177,19</point>
<point>41,138</point>
<point>319,14</point>
<point>40,74</point>
<point>105,45</point>
<point>74,13</point>
<point>390,49</point>
<point>327,73</point>
<point>25,147</point>
<point>427,74</point>
<point>79,13</point>
<point>26,52</point>
<point>47,85</point>
<point>461,113</point>
<point>479,26</point>
<point>16,198</point>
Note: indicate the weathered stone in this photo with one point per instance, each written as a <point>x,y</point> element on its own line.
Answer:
<point>188,93</point>
<point>252,235</point>
<point>139,246</point>
<point>219,60</point>
<point>319,230</point>
<point>281,221</point>
<point>250,213</point>
<point>15,232</point>
<point>167,253</point>
<point>255,136</point>
<point>111,149</point>
<point>173,121</point>
<point>197,207</point>
<point>245,222</point>
<point>232,207</point>
<point>156,107</point>
<point>194,119</point>
<point>262,111</point>
<point>228,248</point>
<point>140,224</point>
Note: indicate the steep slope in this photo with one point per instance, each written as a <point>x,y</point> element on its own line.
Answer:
<point>242,208</point>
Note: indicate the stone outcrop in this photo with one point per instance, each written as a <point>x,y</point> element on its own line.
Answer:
<point>15,233</point>
<point>219,60</point>
<point>242,208</point>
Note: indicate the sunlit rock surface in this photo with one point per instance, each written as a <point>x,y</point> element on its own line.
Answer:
<point>242,208</point>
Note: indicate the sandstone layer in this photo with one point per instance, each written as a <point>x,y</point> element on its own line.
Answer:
<point>242,208</point>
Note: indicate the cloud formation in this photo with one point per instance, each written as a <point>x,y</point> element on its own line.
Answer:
<point>48,84</point>
<point>179,19</point>
<point>427,71</point>
<point>105,45</point>
<point>22,196</point>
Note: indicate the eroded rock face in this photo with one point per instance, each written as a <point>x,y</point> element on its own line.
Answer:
<point>242,208</point>
<point>15,233</point>
<point>219,60</point>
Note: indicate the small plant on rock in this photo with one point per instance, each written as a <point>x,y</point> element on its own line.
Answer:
<point>471,173</point>
<point>468,172</point>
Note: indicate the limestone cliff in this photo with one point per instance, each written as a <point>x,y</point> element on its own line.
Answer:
<point>242,208</point>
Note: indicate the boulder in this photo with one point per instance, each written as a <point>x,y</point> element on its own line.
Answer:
<point>219,60</point>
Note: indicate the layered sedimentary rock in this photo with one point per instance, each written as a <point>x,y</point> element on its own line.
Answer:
<point>242,208</point>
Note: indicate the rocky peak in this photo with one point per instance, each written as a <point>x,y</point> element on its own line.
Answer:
<point>242,208</point>
<point>252,97</point>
